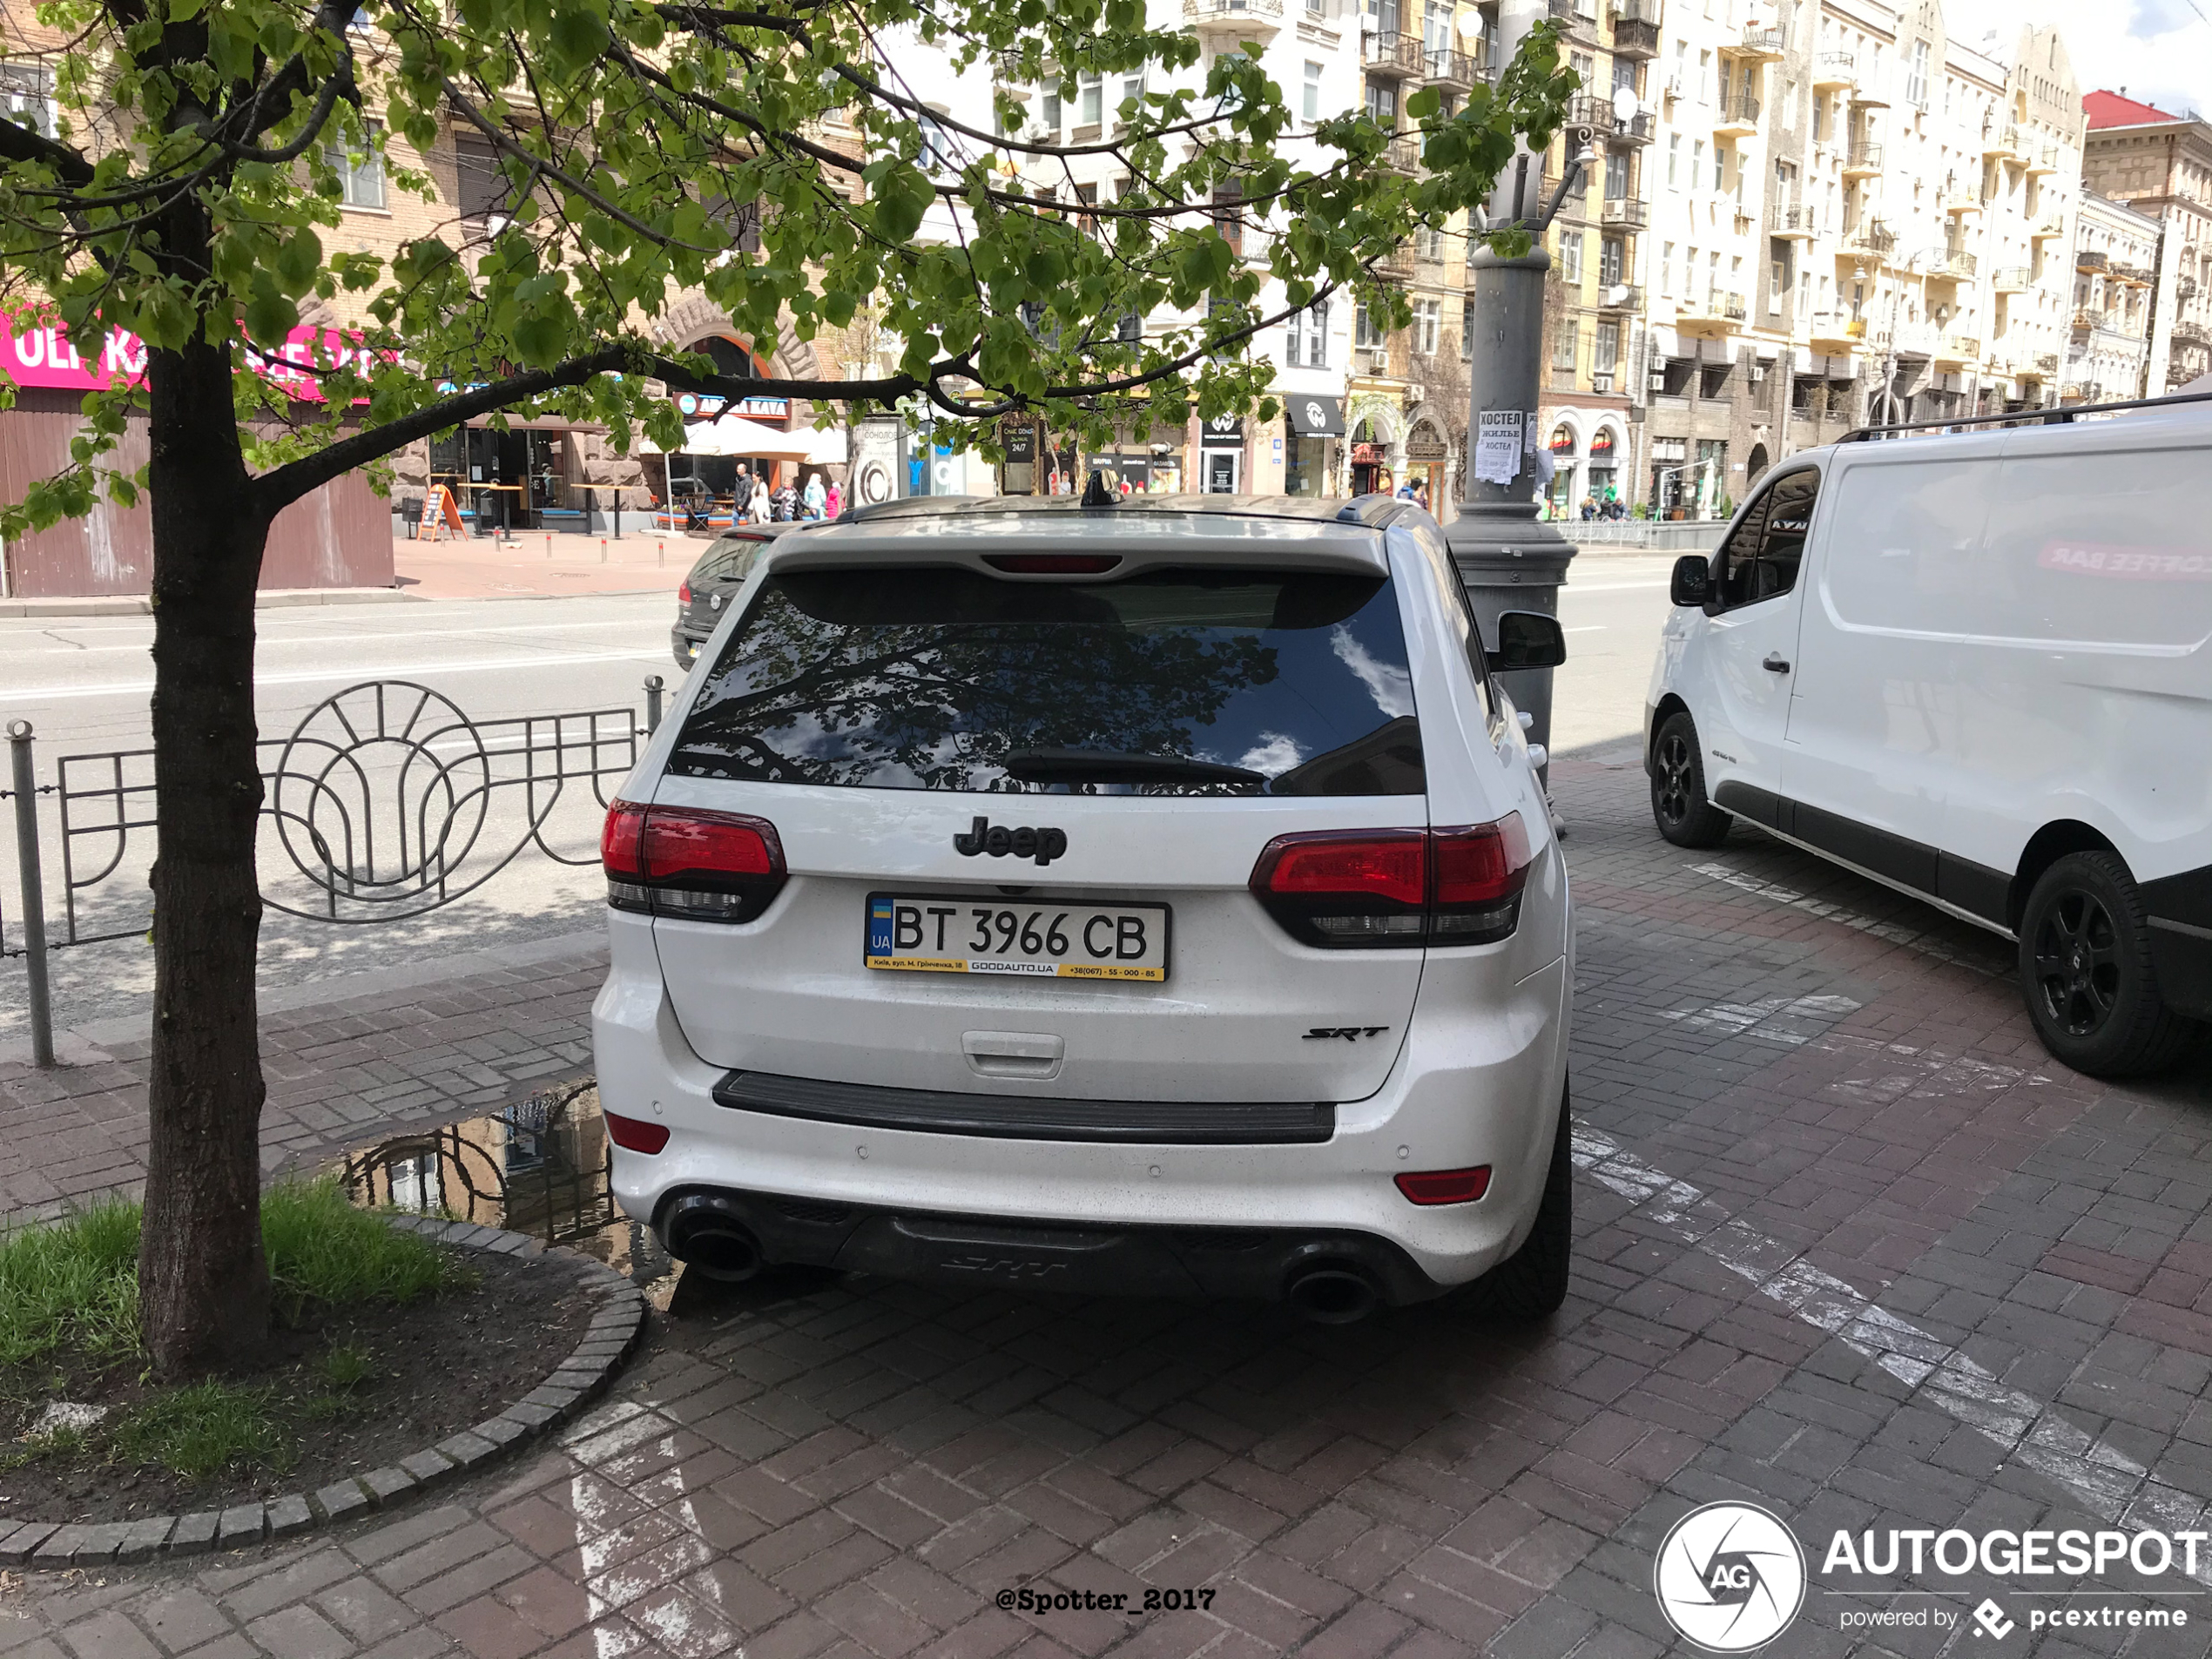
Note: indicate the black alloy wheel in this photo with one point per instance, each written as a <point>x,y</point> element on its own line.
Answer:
<point>1678,803</point>
<point>2085,970</point>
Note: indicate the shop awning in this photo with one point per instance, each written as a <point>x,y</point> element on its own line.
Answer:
<point>827,445</point>
<point>732,434</point>
<point>1314,416</point>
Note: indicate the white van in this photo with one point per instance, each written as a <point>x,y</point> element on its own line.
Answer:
<point>1977,668</point>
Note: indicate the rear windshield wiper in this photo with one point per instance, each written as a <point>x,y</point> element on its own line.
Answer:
<point>1121,766</point>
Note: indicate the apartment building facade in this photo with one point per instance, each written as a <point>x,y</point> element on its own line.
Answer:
<point>2160,166</point>
<point>2116,274</point>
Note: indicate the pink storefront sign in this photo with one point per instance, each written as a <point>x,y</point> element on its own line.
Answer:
<point>46,357</point>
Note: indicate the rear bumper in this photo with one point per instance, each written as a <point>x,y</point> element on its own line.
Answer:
<point>962,1252</point>
<point>685,645</point>
<point>1477,1081</point>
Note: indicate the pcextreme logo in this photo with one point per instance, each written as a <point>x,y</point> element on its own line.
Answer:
<point>1730,1577</point>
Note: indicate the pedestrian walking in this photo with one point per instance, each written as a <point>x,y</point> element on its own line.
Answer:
<point>833,501</point>
<point>759,499</point>
<point>815,495</point>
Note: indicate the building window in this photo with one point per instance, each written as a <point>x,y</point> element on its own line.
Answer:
<point>484,189</point>
<point>1585,68</point>
<point>1312,105</point>
<point>1092,98</point>
<point>1720,168</point>
<point>1612,261</point>
<point>1428,319</point>
<point>1049,109</point>
<point>1570,256</point>
<point>1466,330</point>
<point>1228,216</point>
<point>1616,175</point>
<point>1606,355</point>
<point>1666,270</point>
<point>1563,346</point>
<point>1674,160</point>
<point>1382,105</point>
<point>1365,333</point>
<point>27,97</point>
<point>1777,284</point>
<point>1306,335</point>
<point>360,176</point>
<point>1916,77</point>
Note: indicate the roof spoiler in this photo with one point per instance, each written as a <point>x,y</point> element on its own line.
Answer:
<point>2061,416</point>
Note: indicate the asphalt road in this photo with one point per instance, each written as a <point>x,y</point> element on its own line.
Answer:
<point>84,684</point>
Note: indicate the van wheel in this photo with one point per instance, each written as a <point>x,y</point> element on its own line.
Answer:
<point>1678,802</point>
<point>2085,965</point>
<point>1532,1281</point>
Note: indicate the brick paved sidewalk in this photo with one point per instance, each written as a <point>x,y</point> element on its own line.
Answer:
<point>1849,1247</point>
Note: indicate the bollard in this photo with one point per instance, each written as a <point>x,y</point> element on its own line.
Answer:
<point>653,686</point>
<point>602,549</point>
<point>660,556</point>
<point>34,895</point>
<point>549,547</point>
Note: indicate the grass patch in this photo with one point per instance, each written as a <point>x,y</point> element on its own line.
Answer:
<point>345,1367</point>
<point>204,1430</point>
<point>321,1248</point>
<point>73,1286</point>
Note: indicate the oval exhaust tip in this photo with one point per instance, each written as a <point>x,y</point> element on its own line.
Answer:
<point>1333,1296</point>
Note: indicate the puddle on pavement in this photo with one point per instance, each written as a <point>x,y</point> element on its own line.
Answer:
<point>539,1166</point>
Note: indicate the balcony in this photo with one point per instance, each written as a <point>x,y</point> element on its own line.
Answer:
<point>1737,118</point>
<point>1953,264</point>
<point>1713,314</point>
<point>1635,130</point>
<point>1955,347</point>
<point>1867,95</point>
<point>2187,333</point>
<point>2047,362</point>
<point>1871,239</point>
<point>1578,23</point>
<point>1397,265</point>
<point>1392,57</point>
<point>1402,155</point>
<point>1758,45</point>
<point>2086,321</point>
<point>1452,70</point>
<point>2044,159</point>
<point>1793,224</point>
<point>2185,287</point>
<point>1835,332</point>
<point>1635,29</point>
<point>2091,261</point>
<point>2051,230</point>
<point>1624,213</point>
<point>1862,160</point>
<point>1833,69</point>
<point>1594,112</point>
<point>2012,278</point>
<point>1235,20</point>
<point>1621,296</point>
<point>2134,275</point>
<point>1964,202</point>
<point>2002,142</point>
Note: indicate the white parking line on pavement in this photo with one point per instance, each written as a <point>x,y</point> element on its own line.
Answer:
<point>1891,931</point>
<point>380,671</point>
<point>2103,1479</point>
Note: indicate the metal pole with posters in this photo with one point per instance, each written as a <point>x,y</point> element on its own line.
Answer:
<point>1509,560</point>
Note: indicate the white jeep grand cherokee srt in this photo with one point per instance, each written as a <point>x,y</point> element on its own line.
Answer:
<point>1157,897</point>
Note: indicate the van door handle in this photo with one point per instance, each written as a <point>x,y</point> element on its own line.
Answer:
<point>1775,663</point>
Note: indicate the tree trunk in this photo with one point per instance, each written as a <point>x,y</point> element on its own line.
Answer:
<point>203,1284</point>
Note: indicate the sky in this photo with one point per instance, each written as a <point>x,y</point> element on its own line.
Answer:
<point>2161,51</point>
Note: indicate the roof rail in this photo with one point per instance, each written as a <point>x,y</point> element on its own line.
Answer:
<point>1375,510</point>
<point>2062,416</point>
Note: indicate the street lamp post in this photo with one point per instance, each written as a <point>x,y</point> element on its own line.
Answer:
<point>1507,559</point>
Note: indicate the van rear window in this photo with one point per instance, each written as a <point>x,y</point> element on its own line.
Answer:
<point>1181,681</point>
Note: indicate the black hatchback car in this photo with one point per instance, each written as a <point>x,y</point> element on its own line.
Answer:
<point>717,576</point>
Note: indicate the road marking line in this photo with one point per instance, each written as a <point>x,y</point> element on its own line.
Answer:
<point>2103,1479</point>
<point>309,677</point>
<point>1891,931</point>
<point>1770,1018</point>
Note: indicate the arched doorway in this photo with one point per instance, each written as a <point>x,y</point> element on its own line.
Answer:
<point>1603,482</point>
<point>1755,466</point>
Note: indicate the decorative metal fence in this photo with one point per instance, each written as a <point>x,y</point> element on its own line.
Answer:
<point>386,802</point>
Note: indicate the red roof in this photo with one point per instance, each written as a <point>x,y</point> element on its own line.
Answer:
<point>2110,109</point>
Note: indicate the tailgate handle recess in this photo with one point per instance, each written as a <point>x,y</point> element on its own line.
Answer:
<point>1013,1054</point>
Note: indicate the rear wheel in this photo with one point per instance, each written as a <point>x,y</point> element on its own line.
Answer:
<point>1532,1281</point>
<point>2085,966</point>
<point>1678,802</point>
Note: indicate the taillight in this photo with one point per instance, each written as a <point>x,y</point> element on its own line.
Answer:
<point>690,862</point>
<point>1397,888</point>
<point>1053,563</point>
<point>635,1135</point>
<point>1441,1186</point>
<point>684,593</point>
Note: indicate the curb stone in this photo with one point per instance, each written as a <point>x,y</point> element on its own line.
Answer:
<point>561,1394</point>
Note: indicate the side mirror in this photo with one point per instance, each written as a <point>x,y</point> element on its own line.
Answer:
<point>1528,639</point>
<point>1692,584</point>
